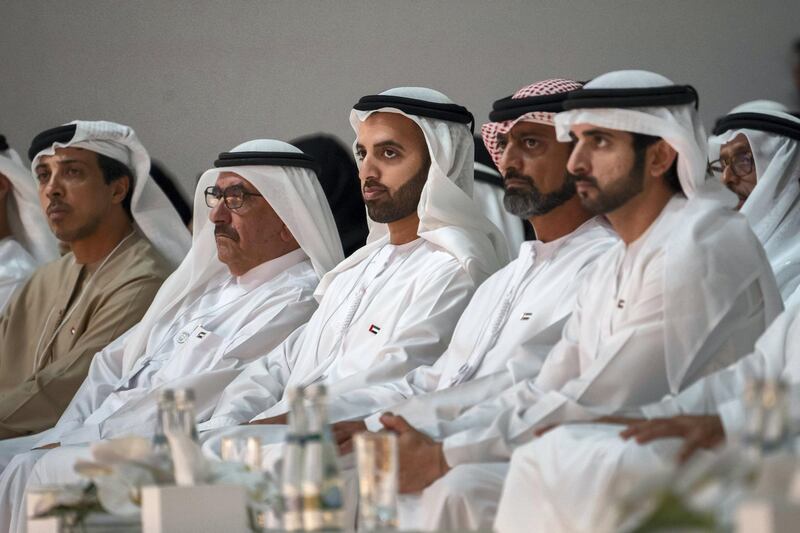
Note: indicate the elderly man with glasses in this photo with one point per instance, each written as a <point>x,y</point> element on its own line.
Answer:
<point>758,146</point>
<point>264,235</point>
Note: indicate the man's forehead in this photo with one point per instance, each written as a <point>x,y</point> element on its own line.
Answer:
<point>531,128</point>
<point>592,129</point>
<point>68,154</point>
<point>738,143</point>
<point>228,179</point>
<point>382,126</point>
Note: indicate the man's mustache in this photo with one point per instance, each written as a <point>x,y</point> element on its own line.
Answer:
<point>591,180</point>
<point>57,205</point>
<point>224,230</point>
<point>513,174</point>
<point>372,183</point>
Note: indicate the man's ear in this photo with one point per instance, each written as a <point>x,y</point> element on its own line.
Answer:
<point>661,156</point>
<point>286,235</point>
<point>5,187</point>
<point>119,189</point>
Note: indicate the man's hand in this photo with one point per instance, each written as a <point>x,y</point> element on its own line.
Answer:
<point>278,419</point>
<point>48,446</point>
<point>420,459</point>
<point>699,431</point>
<point>343,433</point>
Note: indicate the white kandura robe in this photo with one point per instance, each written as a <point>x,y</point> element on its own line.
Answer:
<point>509,326</point>
<point>376,322</point>
<point>212,335</point>
<point>575,473</point>
<point>16,266</point>
<point>611,356</point>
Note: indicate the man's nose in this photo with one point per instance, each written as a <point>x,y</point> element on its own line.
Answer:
<point>728,177</point>
<point>220,214</point>
<point>509,158</point>
<point>578,163</point>
<point>368,169</point>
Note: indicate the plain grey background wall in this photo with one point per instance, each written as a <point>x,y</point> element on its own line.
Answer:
<point>195,78</point>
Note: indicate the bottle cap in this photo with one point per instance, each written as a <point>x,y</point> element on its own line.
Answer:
<point>166,395</point>
<point>294,393</point>
<point>316,391</point>
<point>184,396</point>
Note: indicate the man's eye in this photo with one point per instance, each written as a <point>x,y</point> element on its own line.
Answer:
<point>360,155</point>
<point>42,177</point>
<point>531,143</point>
<point>501,144</point>
<point>389,154</point>
<point>74,172</point>
<point>599,141</point>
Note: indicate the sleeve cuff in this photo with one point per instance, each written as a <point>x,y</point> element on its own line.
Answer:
<point>663,409</point>
<point>373,422</point>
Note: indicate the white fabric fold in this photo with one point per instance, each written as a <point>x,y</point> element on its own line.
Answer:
<point>152,211</point>
<point>28,224</point>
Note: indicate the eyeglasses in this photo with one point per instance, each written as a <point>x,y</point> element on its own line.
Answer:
<point>741,165</point>
<point>233,196</point>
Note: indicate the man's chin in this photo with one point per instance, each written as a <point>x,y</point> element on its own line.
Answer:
<point>63,234</point>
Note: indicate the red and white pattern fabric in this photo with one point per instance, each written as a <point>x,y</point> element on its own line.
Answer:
<point>490,130</point>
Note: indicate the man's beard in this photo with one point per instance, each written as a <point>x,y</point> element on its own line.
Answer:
<point>526,203</point>
<point>617,193</point>
<point>401,203</point>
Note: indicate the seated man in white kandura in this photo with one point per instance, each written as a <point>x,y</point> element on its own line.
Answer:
<point>275,237</point>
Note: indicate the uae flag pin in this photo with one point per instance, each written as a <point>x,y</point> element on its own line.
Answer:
<point>374,329</point>
<point>525,316</point>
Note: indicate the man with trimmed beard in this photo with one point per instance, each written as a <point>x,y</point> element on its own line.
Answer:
<point>392,305</point>
<point>647,320</point>
<point>516,316</point>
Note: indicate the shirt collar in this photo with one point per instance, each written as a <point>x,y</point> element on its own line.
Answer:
<point>541,251</point>
<point>267,271</point>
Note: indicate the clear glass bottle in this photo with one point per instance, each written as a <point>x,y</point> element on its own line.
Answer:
<point>323,508</point>
<point>184,403</point>
<point>166,420</point>
<point>292,468</point>
<point>775,434</point>
<point>752,435</point>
